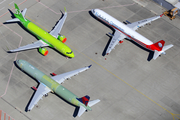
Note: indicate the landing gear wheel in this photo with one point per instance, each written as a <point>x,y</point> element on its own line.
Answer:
<point>46,95</point>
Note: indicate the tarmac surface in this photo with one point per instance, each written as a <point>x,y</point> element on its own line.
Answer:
<point>129,85</point>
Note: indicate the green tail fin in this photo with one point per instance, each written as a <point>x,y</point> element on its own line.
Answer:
<point>18,10</point>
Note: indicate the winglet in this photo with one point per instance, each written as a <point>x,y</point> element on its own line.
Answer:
<point>89,66</point>
<point>161,15</point>
<point>65,9</point>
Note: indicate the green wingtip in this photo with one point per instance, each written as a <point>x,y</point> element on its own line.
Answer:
<point>65,9</point>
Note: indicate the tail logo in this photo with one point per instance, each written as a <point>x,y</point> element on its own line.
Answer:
<point>84,100</point>
<point>160,45</point>
<point>17,11</point>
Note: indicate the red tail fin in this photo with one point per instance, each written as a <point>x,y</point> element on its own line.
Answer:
<point>84,99</point>
<point>159,45</point>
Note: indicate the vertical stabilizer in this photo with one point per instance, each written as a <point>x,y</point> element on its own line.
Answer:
<point>157,53</point>
<point>84,100</point>
<point>19,15</point>
<point>87,103</point>
<point>18,12</point>
<point>159,45</point>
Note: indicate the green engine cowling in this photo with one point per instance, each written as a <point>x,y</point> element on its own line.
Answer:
<point>43,51</point>
<point>62,38</point>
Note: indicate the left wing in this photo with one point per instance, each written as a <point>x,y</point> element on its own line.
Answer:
<point>42,90</point>
<point>62,77</point>
<point>114,41</point>
<point>36,44</point>
<point>59,25</point>
<point>136,25</point>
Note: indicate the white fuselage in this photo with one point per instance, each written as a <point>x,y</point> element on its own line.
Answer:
<point>130,33</point>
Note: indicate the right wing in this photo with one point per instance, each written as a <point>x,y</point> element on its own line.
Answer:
<point>62,77</point>
<point>42,90</point>
<point>36,44</point>
<point>136,25</point>
<point>114,41</point>
<point>58,26</point>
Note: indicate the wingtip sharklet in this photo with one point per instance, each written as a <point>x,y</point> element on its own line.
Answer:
<point>65,10</point>
<point>161,15</point>
<point>89,66</point>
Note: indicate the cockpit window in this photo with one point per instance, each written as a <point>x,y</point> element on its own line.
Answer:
<point>68,52</point>
<point>93,11</point>
<point>17,61</point>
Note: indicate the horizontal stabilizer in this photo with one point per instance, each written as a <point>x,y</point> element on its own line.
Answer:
<point>24,12</point>
<point>167,47</point>
<point>13,20</point>
<point>157,53</point>
<point>81,110</point>
<point>93,102</point>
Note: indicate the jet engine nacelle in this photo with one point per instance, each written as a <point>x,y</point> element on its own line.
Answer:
<point>43,51</point>
<point>62,38</point>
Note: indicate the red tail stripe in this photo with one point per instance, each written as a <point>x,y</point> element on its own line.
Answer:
<point>158,45</point>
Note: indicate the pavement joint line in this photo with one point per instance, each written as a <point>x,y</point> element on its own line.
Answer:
<point>14,58</point>
<point>16,53</point>
<point>11,2</point>
<point>85,9</point>
<point>2,1</point>
<point>173,115</point>
<point>12,8</point>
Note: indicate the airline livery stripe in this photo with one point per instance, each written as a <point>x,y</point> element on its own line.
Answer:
<point>137,41</point>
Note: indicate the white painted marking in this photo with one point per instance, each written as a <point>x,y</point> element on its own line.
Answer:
<point>2,8</point>
<point>11,2</point>
<point>2,1</point>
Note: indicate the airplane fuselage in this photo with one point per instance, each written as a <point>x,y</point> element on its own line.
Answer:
<point>50,83</point>
<point>124,29</point>
<point>46,37</point>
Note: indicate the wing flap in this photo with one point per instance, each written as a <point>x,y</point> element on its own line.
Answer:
<point>59,26</point>
<point>62,77</point>
<point>42,90</point>
<point>136,25</point>
<point>36,44</point>
<point>114,41</point>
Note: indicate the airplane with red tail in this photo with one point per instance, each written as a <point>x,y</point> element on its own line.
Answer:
<point>128,31</point>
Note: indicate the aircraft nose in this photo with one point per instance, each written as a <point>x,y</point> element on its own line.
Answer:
<point>72,55</point>
<point>17,62</point>
<point>93,11</point>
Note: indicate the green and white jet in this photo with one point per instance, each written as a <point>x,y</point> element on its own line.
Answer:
<point>47,84</point>
<point>52,39</point>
